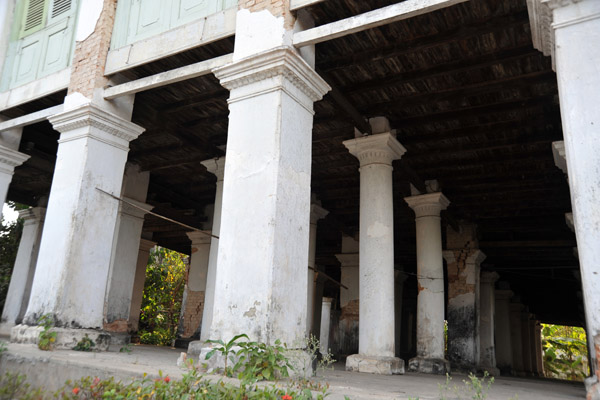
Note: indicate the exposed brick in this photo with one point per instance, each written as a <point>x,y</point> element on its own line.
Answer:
<point>350,311</point>
<point>457,275</point>
<point>276,7</point>
<point>192,315</point>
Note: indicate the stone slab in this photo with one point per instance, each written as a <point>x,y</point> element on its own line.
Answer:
<point>65,338</point>
<point>375,365</point>
<point>429,365</point>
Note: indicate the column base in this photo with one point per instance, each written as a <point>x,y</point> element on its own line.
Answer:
<point>492,371</point>
<point>5,328</point>
<point>66,338</point>
<point>375,364</point>
<point>437,366</point>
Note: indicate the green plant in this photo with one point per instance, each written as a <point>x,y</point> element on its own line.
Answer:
<point>565,352</point>
<point>479,388</point>
<point>13,386</point>
<point>46,337</point>
<point>10,236</point>
<point>3,347</point>
<point>226,350</point>
<point>85,344</point>
<point>260,361</point>
<point>126,349</point>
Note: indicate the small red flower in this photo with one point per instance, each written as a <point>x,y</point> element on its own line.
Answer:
<point>167,379</point>
<point>96,380</point>
<point>286,397</point>
<point>75,390</point>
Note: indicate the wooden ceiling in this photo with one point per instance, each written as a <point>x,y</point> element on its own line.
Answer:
<point>473,102</point>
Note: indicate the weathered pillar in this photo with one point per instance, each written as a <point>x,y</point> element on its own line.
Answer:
<point>376,330</point>
<point>463,259</point>
<point>537,351</point>
<point>502,328</point>
<point>316,213</point>
<point>126,245</point>
<point>487,310</point>
<point>325,324</point>
<point>260,282</point>
<point>75,254</point>
<point>567,30</point>
<point>516,338</point>
<point>527,347</point>
<point>400,278</point>
<point>10,158</point>
<point>349,296</point>
<point>138,283</point>
<point>21,279</point>
<point>430,280</point>
<point>217,168</point>
<point>195,288</point>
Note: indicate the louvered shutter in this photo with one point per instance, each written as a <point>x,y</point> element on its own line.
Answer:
<point>60,9</point>
<point>34,17</point>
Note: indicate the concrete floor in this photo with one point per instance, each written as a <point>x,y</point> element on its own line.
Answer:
<point>51,369</point>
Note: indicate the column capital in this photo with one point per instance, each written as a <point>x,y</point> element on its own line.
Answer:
<point>32,213</point>
<point>348,259</point>
<point>476,257</point>
<point>89,120</point>
<point>428,205</point>
<point>199,237</point>
<point>280,68</point>
<point>146,245</point>
<point>327,299</point>
<point>489,277</point>
<point>215,166</point>
<point>382,148</point>
<point>9,159</point>
<point>317,212</point>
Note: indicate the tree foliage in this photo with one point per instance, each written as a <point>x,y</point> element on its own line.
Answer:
<point>565,352</point>
<point>163,292</point>
<point>10,236</point>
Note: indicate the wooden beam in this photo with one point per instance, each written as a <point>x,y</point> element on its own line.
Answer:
<point>372,19</point>
<point>530,243</point>
<point>166,78</point>
<point>30,119</point>
<point>298,4</point>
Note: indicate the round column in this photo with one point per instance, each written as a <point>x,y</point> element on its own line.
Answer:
<point>376,255</point>
<point>430,276</point>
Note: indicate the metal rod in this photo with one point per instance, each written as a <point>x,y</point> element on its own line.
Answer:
<point>328,277</point>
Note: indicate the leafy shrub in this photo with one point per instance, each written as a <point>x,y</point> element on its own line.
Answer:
<point>565,352</point>
<point>85,344</point>
<point>46,338</point>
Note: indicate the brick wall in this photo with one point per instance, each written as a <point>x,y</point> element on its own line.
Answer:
<point>276,7</point>
<point>192,315</point>
<point>457,275</point>
<point>89,59</point>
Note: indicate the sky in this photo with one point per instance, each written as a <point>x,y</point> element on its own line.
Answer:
<point>9,214</point>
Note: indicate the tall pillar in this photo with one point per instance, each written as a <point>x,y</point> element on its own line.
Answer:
<point>516,340</point>
<point>195,289</point>
<point>263,246</point>
<point>126,245</point>
<point>526,349</point>
<point>216,167</point>
<point>75,253</point>
<point>325,324</point>
<point>400,278</point>
<point>10,158</point>
<point>502,328</point>
<point>567,30</point>
<point>430,280</point>
<point>376,341</point>
<point>463,260</point>
<point>349,296</point>
<point>19,289</point>
<point>536,345</point>
<point>138,283</point>
<point>487,310</point>
<point>316,213</point>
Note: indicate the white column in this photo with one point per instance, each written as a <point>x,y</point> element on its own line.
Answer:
<point>217,168</point>
<point>569,31</point>
<point>325,324</point>
<point>430,281</point>
<point>400,277</point>
<point>9,159</point>
<point>376,330</point>
<point>125,252</point>
<point>19,289</point>
<point>138,283</point>
<point>260,285</point>
<point>502,329</point>
<point>195,289</point>
<point>316,213</point>
<point>73,264</point>
<point>487,309</point>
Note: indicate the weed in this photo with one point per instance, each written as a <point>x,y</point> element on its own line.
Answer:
<point>46,337</point>
<point>226,350</point>
<point>126,349</point>
<point>85,344</point>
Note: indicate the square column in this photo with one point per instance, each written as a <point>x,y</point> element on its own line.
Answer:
<point>516,339</point>
<point>75,254</point>
<point>502,329</point>
<point>527,346</point>
<point>430,280</point>
<point>9,159</point>
<point>376,342</point>
<point>126,245</point>
<point>349,297</point>
<point>316,213</point>
<point>19,288</point>
<point>195,289</point>
<point>487,310</point>
<point>138,283</point>
<point>261,279</point>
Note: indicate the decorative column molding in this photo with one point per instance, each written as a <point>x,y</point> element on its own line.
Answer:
<point>487,311</point>
<point>376,329</point>
<point>430,280</point>
<point>316,213</point>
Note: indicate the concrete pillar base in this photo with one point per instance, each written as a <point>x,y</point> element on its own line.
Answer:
<point>5,328</point>
<point>375,364</point>
<point>66,338</point>
<point>437,366</point>
<point>493,371</point>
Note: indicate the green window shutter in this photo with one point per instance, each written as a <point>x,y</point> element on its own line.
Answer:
<point>34,17</point>
<point>59,10</point>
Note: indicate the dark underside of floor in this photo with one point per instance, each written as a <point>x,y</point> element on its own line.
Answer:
<point>475,105</point>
